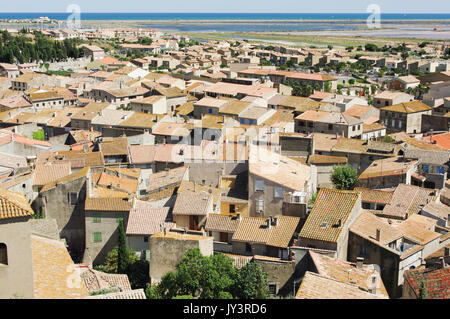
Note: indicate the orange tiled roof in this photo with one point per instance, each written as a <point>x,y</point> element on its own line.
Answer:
<point>331,206</point>
<point>13,205</point>
<point>54,273</point>
<point>315,286</point>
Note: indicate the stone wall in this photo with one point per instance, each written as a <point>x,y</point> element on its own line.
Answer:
<point>167,251</point>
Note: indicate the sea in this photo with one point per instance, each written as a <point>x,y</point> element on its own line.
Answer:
<point>239,22</point>
<point>227,16</point>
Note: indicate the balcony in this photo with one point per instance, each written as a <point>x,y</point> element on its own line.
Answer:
<point>298,198</point>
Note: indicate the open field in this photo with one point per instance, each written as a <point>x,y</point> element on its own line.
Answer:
<point>301,39</point>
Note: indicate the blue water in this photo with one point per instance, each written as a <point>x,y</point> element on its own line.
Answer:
<point>237,27</point>
<point>227,16</point>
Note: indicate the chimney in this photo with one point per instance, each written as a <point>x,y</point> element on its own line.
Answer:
<point>374,283</point>
<point>442,260</point>
<point>195,187</point>
<point>359,262</point>
<point>269,223</point>
<point>378,234</point>
<point>275,221</point>
<point>339,224</point>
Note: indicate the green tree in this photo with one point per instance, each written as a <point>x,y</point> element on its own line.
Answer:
<point>251,283</point>
<point>111,262</point>
<point>39,135</point>
<point>371,47</point>
<point>123,259</point>
<point>447,51</point>
<point>327,86</point>
<point>344,177</point>
<point>153,291</point>
<point>212,277</point>
<point>190,272</point>
<point>313,199</point>
<point>405,55</point>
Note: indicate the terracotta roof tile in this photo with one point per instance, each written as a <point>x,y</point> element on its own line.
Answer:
<point>347,272</point>
<point>145,220</point>
<point>13,205</point>
<point>437,282</point>
<point>331,207</point>
<point>221,223</point>
<point>54,273</point>
<point>315,286</point>
<point>193,204</point>
<point>256,230</point>
<point>108,204</point>
<point>50,172</point>
<point>96,280</point>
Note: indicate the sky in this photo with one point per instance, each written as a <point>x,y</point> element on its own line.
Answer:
<point>230,6</point>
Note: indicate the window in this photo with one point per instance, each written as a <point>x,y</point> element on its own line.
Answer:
<point>425,168</point>
<point>278,192</point>
<point>248,247</point>
<point>97,218</point>
<point>3,254</point>
<point>210,111</point>
<point>440,170</point>
<point>146,239</point>
<point>273,289</point>
<point>97,237</point>
<point>330,127</point>
<point>259,186</point>
<point>73,198</point>
<point>232,209</point>
<point>364,251</point>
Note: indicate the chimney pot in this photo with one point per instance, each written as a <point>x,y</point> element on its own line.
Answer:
<point>275,221</point>
<point>378,234</point>
<point>359,262</point>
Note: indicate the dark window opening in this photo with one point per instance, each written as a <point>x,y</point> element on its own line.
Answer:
<point>273,289</point>
<point>3,254</point>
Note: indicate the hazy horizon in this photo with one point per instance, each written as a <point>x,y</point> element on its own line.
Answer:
<point>248,6</point>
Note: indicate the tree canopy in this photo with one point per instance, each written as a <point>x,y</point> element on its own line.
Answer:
<point>344,177</point>
<point>24,49</point>
<point>211,277</point>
